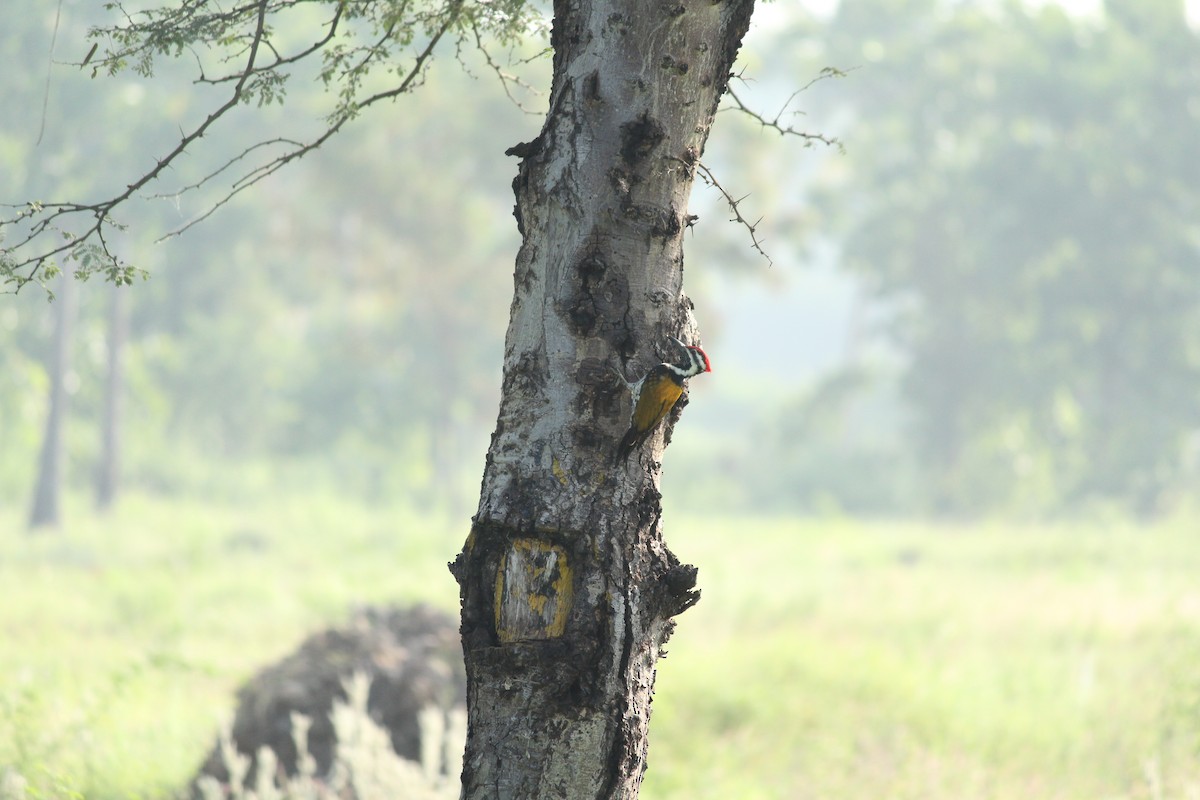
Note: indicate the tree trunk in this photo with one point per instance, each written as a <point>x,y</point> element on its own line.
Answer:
<point>567,587</point>
<point>46,510</point>
<point>109,469</point>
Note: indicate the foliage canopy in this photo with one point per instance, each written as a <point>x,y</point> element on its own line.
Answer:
<point>1022,201</point>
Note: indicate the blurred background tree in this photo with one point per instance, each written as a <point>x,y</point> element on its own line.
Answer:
<point>331,329</point>
<point>1022,204</point>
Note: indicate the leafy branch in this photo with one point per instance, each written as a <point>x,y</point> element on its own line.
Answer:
<point>360,40</point>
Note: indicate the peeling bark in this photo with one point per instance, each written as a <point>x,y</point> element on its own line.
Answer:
<point>567,588</point>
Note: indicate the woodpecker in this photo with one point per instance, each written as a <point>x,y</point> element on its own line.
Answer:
<point>656,393</point>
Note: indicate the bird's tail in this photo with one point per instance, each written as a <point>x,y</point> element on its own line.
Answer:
<point>630,441</point>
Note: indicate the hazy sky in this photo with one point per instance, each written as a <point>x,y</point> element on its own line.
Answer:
<point>823,7</point>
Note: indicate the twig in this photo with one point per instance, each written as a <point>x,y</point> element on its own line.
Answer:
<point>49,66</point>
<point>735,206</point>
<point>775,123</point>
<point>507,79</point>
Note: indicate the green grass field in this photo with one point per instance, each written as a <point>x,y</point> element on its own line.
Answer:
<point>828,658</point>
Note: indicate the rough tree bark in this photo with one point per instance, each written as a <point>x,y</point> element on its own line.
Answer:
<point>567,588</point>
<point>46,510</point>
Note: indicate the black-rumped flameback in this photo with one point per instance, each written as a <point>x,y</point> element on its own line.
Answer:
<point>656,393</point>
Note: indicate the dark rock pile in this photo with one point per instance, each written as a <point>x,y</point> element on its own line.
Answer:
<point>412,657</point>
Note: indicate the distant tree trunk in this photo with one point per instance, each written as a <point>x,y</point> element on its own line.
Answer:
<point>108,471</point>
<point>47,510</point>
<point>567,587</point>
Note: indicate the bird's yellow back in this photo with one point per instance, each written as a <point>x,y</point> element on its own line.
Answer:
<point>654,402</point>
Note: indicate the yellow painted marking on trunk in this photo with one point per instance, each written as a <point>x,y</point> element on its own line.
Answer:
<point>558,471</point>
<point>534,591</point>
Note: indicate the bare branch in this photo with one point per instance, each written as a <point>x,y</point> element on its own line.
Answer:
<point>221,169</point>
<point>776,124</point>
<point>735,206</point>
<point>507,79</point>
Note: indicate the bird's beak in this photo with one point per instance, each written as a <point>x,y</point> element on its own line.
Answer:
<point>678,342</point>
